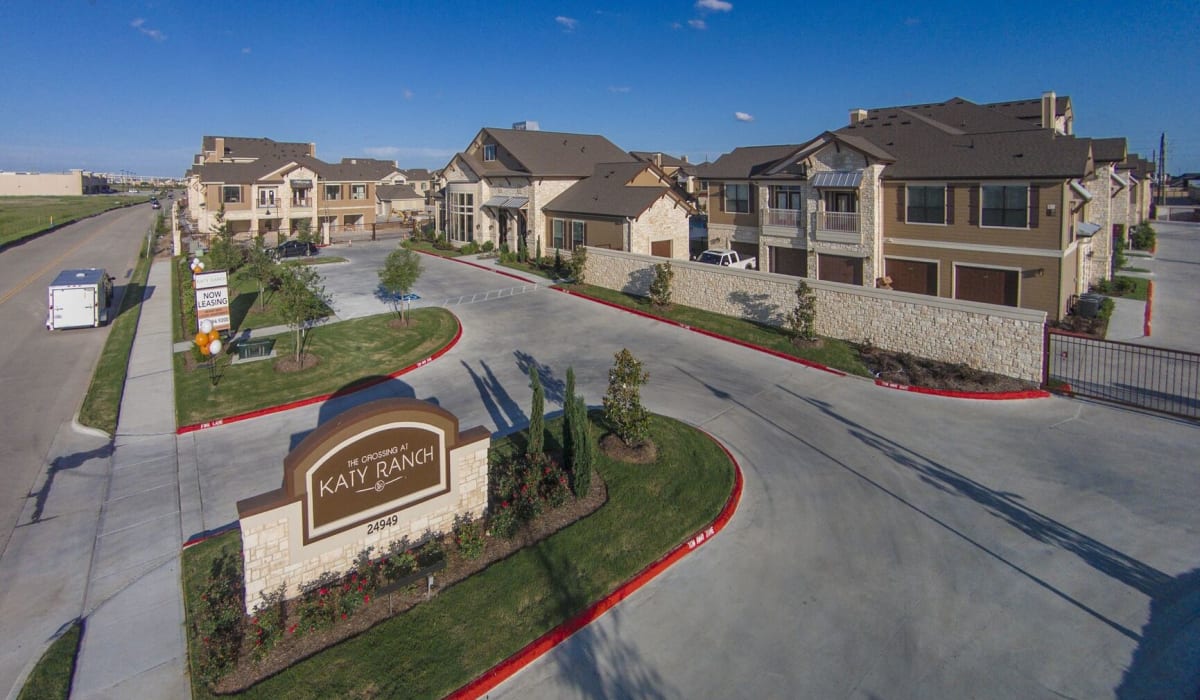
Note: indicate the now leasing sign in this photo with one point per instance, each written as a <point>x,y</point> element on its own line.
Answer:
<point>212,299</point>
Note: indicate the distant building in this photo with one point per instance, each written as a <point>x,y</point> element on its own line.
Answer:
<point>72,183</point>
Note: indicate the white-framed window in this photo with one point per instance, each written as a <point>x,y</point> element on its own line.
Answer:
<point>333,192</point>
<point>489,151</point>
<point>231,194</point>
<point>358,191</point>
<point>1005,205</point>
<point>925,204</point>
<point>787,197</point>
<point>558,228</point>
<point>461,220</point>
<point>578,233</point>
<point>266,197</point>
<point>737,198</point>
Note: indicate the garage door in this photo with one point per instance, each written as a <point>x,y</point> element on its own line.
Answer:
<point>839,268</point>
<point>986,285</point>
<point>789,261</point>
<point>913,276</point>
<point>746,250</point>
<point>661,249</point>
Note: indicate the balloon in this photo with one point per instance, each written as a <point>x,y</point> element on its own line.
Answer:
<point>204,350</point>
<point>214,334</point>
<point>201,339</point>
<point>214,347</point>
<point>206,326</point>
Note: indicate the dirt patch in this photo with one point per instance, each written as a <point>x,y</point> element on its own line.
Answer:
<point>615,448</point>
<point>292,649</point>
<point>289,364</point>
<point>397,324</point>
<point>902,368</point>
<point>1094,327</point>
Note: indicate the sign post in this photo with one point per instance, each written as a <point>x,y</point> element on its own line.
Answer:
<point>212,299</point>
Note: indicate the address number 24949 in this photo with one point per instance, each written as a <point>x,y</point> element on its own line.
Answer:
<point>382,523</point>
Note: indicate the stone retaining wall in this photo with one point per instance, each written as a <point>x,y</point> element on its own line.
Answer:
<point>999,339</point>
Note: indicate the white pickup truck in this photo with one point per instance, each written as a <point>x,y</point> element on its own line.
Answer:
<point>726,258</point>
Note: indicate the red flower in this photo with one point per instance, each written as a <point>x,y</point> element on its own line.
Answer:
<point>324,591</point>
<point>292,629</point>
<point>343,616</point>
<point>367,598</point>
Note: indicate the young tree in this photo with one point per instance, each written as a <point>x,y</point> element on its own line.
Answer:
<point>302,301</point>
<point>583,447</point>
<point>800,322</point>
<point>537,414</point>
<point>578,264</point>
<point>569,419</point>
<point>260,267</point>
<point>660,287</point>
<point>398,275</point>
<point>623,410</point>
<point>304,232</point>
<point>222,253</point>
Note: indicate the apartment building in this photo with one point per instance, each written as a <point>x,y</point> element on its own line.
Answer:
<point>74,183</point>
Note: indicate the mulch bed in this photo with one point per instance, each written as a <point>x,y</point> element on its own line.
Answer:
<point>292,650</point>
<point>902,368</point>
<point>615,447</point>
<point>289,364</point>
<point>1094,327</point>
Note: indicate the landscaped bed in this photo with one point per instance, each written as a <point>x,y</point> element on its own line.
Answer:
<point>637,514</point>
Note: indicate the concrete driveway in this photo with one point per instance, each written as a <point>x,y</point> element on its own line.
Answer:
<point>888,544</point>
<point>1176,268</point>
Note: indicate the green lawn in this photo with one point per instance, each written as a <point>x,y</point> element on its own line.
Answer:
<point>835,353</point>
<point>527,268</point>
<point>21,217</point>
<point>51,677</point>
<point>349,351</point>
<point>102,403</point>
<point>470,627</point>
<point>427,247</point>
<point>1140,285</point>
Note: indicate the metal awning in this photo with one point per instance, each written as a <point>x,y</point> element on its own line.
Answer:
<point>301,183</point>
<point>845,180</point>
<point>1080,190</point>
<point>1120,180</point>
<point>496,201</point>
<point>502,202</point>
<point>1086,229</point>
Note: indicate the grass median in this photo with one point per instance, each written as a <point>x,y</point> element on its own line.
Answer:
<point>467,629</point>
<point>51,677</point>
<point>834,353</point>
<point>348,352</point>
<point>22,217</point>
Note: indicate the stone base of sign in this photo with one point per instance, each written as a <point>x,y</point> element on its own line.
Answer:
<point>277,549</point>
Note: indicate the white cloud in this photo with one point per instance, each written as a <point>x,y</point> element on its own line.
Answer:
<point>743,117</point>
<point>140,25</point>
<point>619,88</point>
<point>912,21</point>
<point>567,22</point>
<point>408,94</point>
<point>714,5</point>
<point>676,25</point>
<point>697,24</point>
<point>246,50</point>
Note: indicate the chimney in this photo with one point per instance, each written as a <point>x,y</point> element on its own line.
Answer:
<point>857,115</point>
<point>1049,104</point>
<point>683,158</point>
<point>219,147</point>
<point>312,149</point>
<point>658,159</point>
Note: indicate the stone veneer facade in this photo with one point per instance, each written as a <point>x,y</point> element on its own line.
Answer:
<point>999,339</point>
<point>273,549</point>
<point>665,220</point>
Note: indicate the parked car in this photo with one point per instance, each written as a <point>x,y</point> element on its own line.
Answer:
<point>294,249</point>
<point>726,258</point>
<point>155,205</point>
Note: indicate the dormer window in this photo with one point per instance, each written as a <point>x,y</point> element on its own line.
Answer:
<point>489,151</point>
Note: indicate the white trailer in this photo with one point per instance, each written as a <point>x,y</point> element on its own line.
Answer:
<point>79,298</point>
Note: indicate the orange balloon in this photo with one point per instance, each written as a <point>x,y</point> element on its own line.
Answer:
<point>201,339</point>
<point>214,334</point>
<point>204,350</point>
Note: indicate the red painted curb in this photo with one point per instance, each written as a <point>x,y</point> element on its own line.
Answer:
<point>1149,307</point>
<point>505,669</point>
<point>197,539</point>
<point>481,267</point>
<point>982,395</point>
<point>318,399</point>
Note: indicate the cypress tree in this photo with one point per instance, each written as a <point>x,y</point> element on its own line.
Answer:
<point>568,425</point>
<point>584,447</point>
<point>537,414</point>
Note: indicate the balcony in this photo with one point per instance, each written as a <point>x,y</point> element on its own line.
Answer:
<point>784,218</point>
<point>302,204</point>
<point>837,227</point>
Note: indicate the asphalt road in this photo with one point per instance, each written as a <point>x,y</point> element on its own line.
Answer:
<point>888,544</point>
<point>45,374</point>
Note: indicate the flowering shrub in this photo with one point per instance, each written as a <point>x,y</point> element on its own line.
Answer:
<point>266,624</point>
<point>218,624</point>
<point>468,536</point>
<point>523,487</point>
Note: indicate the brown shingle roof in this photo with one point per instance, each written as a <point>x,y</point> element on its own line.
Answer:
<point>1109,150</point>
<point>605,192</point>
<point>547,153</point>
<point>244,147</point>
<point>386,193</point>
<point>745,162</point>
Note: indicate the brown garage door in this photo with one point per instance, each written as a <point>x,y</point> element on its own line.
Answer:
<point>789,261</point>
<point>913,276</point>
<point>746,250</point>
<point>986,285</point>
<point>661,249</point>
<point>839,268</point>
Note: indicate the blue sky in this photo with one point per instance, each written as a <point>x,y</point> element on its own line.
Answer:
<point>110,86</point>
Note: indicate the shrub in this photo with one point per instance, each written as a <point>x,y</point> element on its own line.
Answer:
<point>583,446</point>
<point>660,287</point>
<point>266,624</point>
<point>623,410</point>
<point>218,623</point>
<point>800,322</point>
<point>537,413</point>
<point>1144,237</point>
<point>399,562</point>
<point>486,247</point>
<point>523,486</point>
<point>578,264</point>
<point>470,248</point>
<point>468,537</point>
<point>1118,257</point>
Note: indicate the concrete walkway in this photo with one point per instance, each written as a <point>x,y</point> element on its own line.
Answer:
<point>133,644</point>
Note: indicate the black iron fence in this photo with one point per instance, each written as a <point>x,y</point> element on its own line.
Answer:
<point>1148,377</point>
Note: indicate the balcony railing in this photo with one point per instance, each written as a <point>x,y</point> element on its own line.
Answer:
<point>840,221</point>
<point>786,218</point>
<point>302,203</point>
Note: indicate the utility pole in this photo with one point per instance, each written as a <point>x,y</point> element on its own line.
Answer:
<point>1162,169</point>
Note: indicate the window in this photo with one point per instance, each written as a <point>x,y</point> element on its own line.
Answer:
<point>787,197</point>
<point>737,198</point>
<point>926,205</point>
<point>231,194</point>
<point>461,222</point>
<point>489,151</point>
<point>578,234</point>
<point>266,198</point>
<point>358,191</point>
<point>333,191</point>
<point>841,201</point>
<point>558,226</point>
<point>1006,205</point>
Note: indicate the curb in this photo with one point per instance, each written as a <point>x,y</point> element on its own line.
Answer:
<point>481,267</point>
<point>87,430</point>
<point>535,649</point>
<point>979,395</point>
<point>209,534</point>
<point>183,430</point>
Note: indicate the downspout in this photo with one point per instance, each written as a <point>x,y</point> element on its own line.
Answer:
<point>628,234</point>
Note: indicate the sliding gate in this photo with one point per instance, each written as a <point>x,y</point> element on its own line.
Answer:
<point>1153,378</point>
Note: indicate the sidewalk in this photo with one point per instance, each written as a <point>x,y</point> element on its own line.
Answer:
<point>133,643</point>
<point>1127,321</point>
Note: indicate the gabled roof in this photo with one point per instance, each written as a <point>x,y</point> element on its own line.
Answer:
<point>668,161</point>
<point>1030,110</point>
<point>416,173</point>
<point>1108,150</point>
<point>955,114</point>
<point>543,153</point>
<point>357,169</point>
<point>386,193</point>
<point>745,162</point>
<point>246,173</point>
<point>607,192</point>
<point>243,147</point>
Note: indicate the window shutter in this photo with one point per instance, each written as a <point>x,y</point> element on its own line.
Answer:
<point>973,202</point>
<point>949,204</point>
<point>1034,205</point>
<point>900,213</point>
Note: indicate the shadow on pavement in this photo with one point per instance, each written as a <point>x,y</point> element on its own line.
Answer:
<point>1166,663</point>
<point>553,387</point>
<point>505,412</point>
<point>61,464</point>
